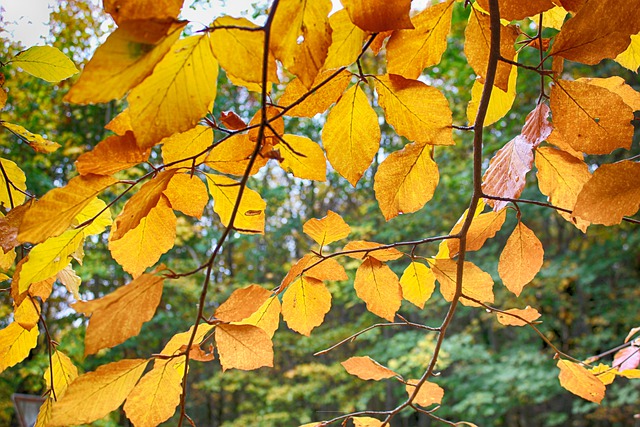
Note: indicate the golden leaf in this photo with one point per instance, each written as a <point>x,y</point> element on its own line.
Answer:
<point>630,58</point>
<point>186,78</point>
<point>187,194</point>
<point>187,149</point>
<point>120,124</point>
<point>529,314</point>
<point>500,102</point>
<point>142,246</point>
<point>35,141</point>
<point>243,347</point>
<point>46,63</point>
<point>318,101</point>
<point>267,317</point>
<point>15,344</point>
<point>483,226</point>
<point>27,314</point>
<point>250,217</point>
<point>580,381</point>
<point>378,286</point>
<point>346,41</point>
<point>367,369</point>
<point>242,303</point>
<point>604,373</point>
<point>351,135</point>
<point>417,111</point>
<point>366,422</point>
<point>592,119</point>
<point>521,259</point>
<point>617,85</point>
<point>429,393</point>
<point>378,15</point>
<point>232,156</point>
<point>318,268</point>
<point>120,315</point>
<point>406,180</point>
<point>516,10</point>
<point>326,230</point>
<point>611,194</point>
<point>10,196</point>
<point>417,283</point>
<point>93,395</point>
<point>304,304</point>
<point>64,373</point>
<point>411,51</point>
<point>365,249</point>
<point>112,155</point>
<point>124,60</point>
<point>122,10</point>
<point>303,158</point>
<point>475,282</point>
<point>68,277</point>
<point>177,344</point>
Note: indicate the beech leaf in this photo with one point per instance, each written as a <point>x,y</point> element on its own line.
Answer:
<point>580,381</point>
<point>367,369</point>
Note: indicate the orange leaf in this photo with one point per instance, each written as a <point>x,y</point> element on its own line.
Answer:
<point>325,269</point>
<point>304,304</point>
<point>367,369</point>
<point>178,344</point>
<point>429,393</point>
<point>187,194</point>
<point>483,227</point>
<point>242,303</point>
<point>366,422</point>
<point>418,283</point>
<point>368,249</point>
<point>617,85</point>
<point>120,315</point>
<point>232,156</point>
<point>475,282</point>
<point>378,15</point>
<point>326,230</point>
<point>521,259</point>
<point>267,317</point>
<point>187,145</point>
<point>112,155</point>
<point>529,314</point>
<point>580,381</point>
<point>378,286</point>
<point>611,194</point>
<point>516,10</point>
<point>232,121</point>
<point>243,347</point>
<point>123,11</point>
<point>318,101</point>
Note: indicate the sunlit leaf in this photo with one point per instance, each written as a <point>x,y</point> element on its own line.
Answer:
<point>63,371</point>
<point>318,101</point>
<point>366,422</point>
<point>475,282</point>
<point>429,393</point>
<point>630,58</point>
<point>521,259</point>
<point>360,249</point>
<point>418,283</point>
<point>315,267</point>
<point>122,10</point>
<point>187,194</point>
<point>378,286</point>
<point>500,102</point>
<point>515,10</point>
<point>604,373</point>
<point>242,303</point>
<point>346,41</point>
<point>529,314</point>
<point>112,155</point>
<point>187,149</point>
<point>379,15</point>
<point>580,381</point>
<point>483,227</point>
<point>367,369</point>
<point>243,347</point>
<point>16,343</point>
<point>328,229</point>
<point>267,317</point>
<point>304,304</point>
<point>46,63</point>
<point>232,156</point>
<point>11,196</point>
<point>303,158</point>
<point>35,141</point>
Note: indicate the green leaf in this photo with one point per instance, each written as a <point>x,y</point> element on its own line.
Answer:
<point>46,63</point>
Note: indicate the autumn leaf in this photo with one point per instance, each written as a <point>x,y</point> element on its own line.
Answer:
<point>351,135</point>
<point>346,41</point>
<point>630,58</point>
<point>500,102</point>
<point>483,227</point>
<point>16,343</point>
<point>187,149</point>
<point>177,344</point>
<point>304,304</point>
<point>120,315</point>
<point>617,85</point>
<point>232,156</point>
<point>68,277</point>
<point>521,259</point>
<point>318,101</point>
<point>46,63</point>
<point>475,282</point>
<point>429,393</point>
<point>243,347</point>
<point>611,194</point>
<point>123,11</point>
<point>93,395</point>
<point>35,141</point>
<point>316,267</point>
<point>362,249</point>
<point>529,314</point>
<point>378,15</point>
<point>604,373</point>
<point>366,422</point>
<point>378,286</point>
<point>187,194</point>
<point>367,369</point>
<point>626,359</point>
<point>511,10</point>
<point>266,317</point>
<point>250,217</point>
<point>580,381</point>
<point>63,371</point>
<point>242,303</point>
<point>326,230</point>
<point>12,196</point>
<point>417,283</point>
<point>302,157</point>
<point>27,314</point>
<point>112,155</point>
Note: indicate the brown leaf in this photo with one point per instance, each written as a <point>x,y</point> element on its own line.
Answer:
<point>232,121</point>
<point>367,369</point>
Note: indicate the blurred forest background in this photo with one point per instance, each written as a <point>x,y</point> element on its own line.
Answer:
<point>587,291</point>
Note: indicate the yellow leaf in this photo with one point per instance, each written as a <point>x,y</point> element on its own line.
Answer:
<point>411,51</point>
<point>304,304</point>
<point>190,146</point>
<point>10,197</point>
<point>483,227</point>
<point>46,63</point>
<point>580,381</point>
<point>124,60</point>
<point>611,194</point>
<point>416,111</point>
<point>53,213</point>
<point>139,205</point>
<point>378,286</point>
<point>367,369</point>
<point>327,230</point>
<point>93,395</point>
<point>418,283</point>
<point>3,97</point>
<point>362,249</point>
<point>123,11</point>
<point>351,135</point>
<point>511,10</point>
<point>187,194</point>
<point>589,39</point>
<point>240,52</point>
<point>15,344</point>
<point>27,314</point>
<point>64,372</point>
<point>68,277</point>
<point>303,157</point>
<point>44,415</point>
<point>476,47</point>
<point>475,282</point>
<point>366,422</point>
<point>554,17</point>
<point>318,101</point>
<point>561,178</point>
<point>142,246</point>
<point>301,35</point>
<point>112,155</point>
<point>529,314</point>
<point>267,317</point>
<point>617,84</point>
<point>317,268</point>
<point>6,259</point>
<point>120,124</point>
<point>429,393</point>
<point>232,156</point>
<point>154,399</point>
<point>521,259</point>
<point>630,58</point>
<point>185,79</point>
<point>179,341</point>
<point>604,373</point>
<point>37,142</point>
<point>242,303</point>
<point>120,315</point>
<point>250,217</point>
<point>630,373</point>
<point>593,119</point>
<point>346,41</point>
<point>243,347</point>
<point>378,15</point>
<point>500,102</point>
<point>406,180</point>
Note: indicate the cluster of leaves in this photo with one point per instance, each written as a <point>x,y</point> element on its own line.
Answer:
<point>170,84</point>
